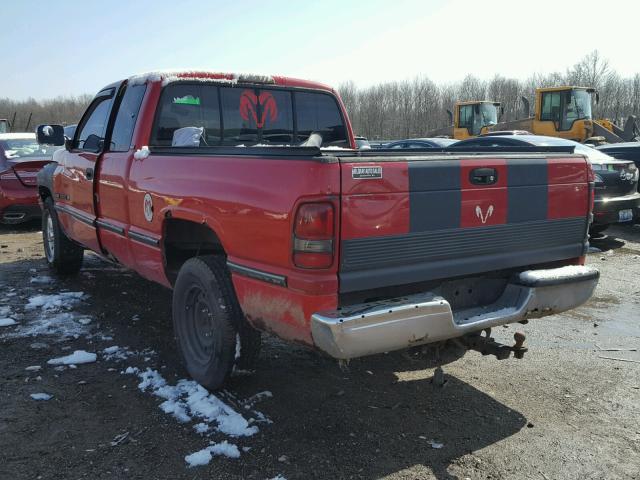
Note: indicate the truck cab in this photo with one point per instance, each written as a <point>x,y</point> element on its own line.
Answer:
<point>474,118</point>
<point>564,112</point>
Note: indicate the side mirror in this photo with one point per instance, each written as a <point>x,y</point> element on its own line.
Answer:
<point>50,135</point>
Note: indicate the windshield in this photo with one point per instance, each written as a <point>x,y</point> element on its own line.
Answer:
<point>489,114</point>
<point>578,107</point>
<point>18,149</point>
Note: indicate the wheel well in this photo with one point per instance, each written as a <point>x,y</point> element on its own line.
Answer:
<point>183,240</point>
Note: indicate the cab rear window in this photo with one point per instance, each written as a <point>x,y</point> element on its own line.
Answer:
<point>204,115</point>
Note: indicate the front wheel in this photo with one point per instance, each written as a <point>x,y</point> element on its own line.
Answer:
<point>211,331</point>
<point>63,256</point>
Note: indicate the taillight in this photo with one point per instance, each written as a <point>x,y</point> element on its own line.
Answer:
<point>313,233</point>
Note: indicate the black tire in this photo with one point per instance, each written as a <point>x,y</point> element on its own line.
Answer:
<point>598,228</point>
<point>63,256</point>
<point>208,322</point>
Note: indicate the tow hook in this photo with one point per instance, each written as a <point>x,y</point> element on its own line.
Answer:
<point>486,345</point>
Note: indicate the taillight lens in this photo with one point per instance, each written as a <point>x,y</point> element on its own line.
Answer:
<point>313,235</point>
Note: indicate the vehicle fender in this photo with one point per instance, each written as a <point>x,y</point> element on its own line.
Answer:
<point>45,178</point>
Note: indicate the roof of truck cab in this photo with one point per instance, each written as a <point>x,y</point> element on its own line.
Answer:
<point>202,75</point>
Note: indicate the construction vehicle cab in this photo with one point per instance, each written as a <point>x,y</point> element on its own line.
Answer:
<point>474,118</point>
<point>564,112</point>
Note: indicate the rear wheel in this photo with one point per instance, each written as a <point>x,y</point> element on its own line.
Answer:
<point>211,331</point>
<point>63,256</point>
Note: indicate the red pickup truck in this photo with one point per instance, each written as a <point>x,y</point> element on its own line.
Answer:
<point>247,196</point>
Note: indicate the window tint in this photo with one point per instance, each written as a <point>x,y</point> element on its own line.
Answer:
<point>126,118</point>
<point>92,132</point>
<point>240,125</point>
<point>252,115</point>
<point>277,115</point>
<point>187,105</point>
<point>316,112</point>
<point>246,116</point>
<point>550,106</point>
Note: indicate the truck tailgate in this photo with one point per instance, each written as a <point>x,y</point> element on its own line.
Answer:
<point>413,219</point>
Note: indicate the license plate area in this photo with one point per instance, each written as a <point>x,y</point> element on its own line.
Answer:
<point>625,215</point>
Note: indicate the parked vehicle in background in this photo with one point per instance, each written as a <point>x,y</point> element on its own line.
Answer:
<point>616,181</point>
<point>191,179</point>
<point>506,132</point>
<point>21,157</point>
<point>422,143</point>
<point>623,151</point>
<point>376,144</point>
<point>362,143</point>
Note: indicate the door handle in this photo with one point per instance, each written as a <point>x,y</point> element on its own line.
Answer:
<point>483,176</point>
<point>89,173</point>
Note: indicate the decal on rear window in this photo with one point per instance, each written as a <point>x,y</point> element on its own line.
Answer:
<point>249,102</point>
<point>366,172</point>
<point>187,100</point>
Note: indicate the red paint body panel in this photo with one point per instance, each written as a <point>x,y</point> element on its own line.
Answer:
<point>375,207</point>
<point>568,188</point>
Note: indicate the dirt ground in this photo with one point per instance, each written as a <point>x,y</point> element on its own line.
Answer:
<point>563,412</point>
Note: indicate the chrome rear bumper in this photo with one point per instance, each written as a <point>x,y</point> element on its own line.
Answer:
<point>369,328</point>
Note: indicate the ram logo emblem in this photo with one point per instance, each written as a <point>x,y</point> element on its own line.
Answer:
<point>249,102</point>
<point>484,216</point>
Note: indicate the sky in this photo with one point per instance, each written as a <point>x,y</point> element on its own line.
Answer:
<point>71,47</point>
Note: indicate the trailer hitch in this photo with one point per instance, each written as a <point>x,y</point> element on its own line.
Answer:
<point>486,345</point>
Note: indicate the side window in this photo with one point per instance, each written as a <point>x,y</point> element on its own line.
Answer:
<point>466,116</point>
<point>91,134</point>
<point>317,112</point>
<point>550,106</point>
<point>126,118</point>
<point>187,105</point>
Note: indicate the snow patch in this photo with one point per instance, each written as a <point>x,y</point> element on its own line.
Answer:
<point>41,280</point>
<point>116,353</point>
<point>41,396</point>
<point>6,322</point>
<point>204,456</point>
<point>187,400</point>
<point>76,358</point>
<point>198,75</point>
<point>63,324</point>
<point>142,153</point>
<point>55,302</point>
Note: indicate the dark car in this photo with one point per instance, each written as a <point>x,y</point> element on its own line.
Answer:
<point>616,181</point>
<point>362,143</point>
<point>623,151</point>
<point>435,142</point>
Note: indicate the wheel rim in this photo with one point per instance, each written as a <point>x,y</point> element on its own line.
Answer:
<point>49,239</point>
<point>199,326</point>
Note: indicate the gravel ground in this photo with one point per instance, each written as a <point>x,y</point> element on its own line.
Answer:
<point>563,412</point>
